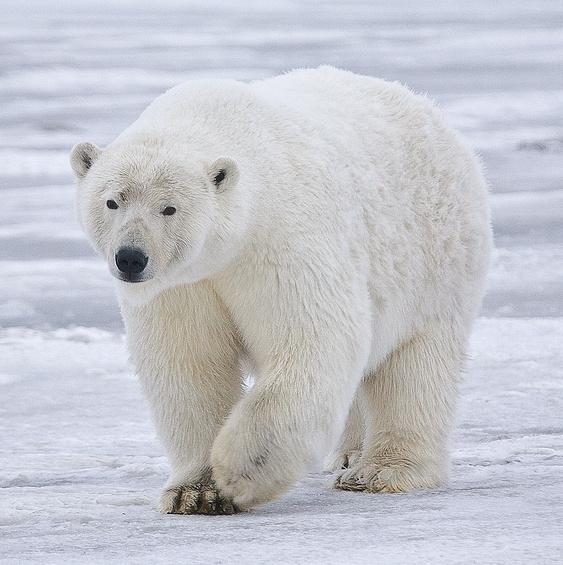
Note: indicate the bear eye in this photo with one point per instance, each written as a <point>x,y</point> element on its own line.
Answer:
<point>169,210</point>
<point>219,177</point>
<point>112,205</point>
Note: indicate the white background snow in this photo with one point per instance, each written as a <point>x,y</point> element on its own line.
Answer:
<point>80,468</point>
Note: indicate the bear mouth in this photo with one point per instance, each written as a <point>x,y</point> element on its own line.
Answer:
<point>133,279</point>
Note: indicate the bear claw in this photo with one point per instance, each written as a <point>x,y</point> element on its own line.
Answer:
<point>200,498</point>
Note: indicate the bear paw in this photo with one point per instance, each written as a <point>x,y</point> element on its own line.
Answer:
<point>199,498</point>
<point>243,482</point>
<point>388,477</point>
<point>250,472</point>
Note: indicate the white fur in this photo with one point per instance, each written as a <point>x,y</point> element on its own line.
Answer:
<point>343,256</point>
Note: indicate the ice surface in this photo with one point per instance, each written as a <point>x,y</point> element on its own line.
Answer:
<point>80,468</point>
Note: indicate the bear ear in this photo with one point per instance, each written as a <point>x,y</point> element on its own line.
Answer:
<point>82,157</point>
<point>223,173</point>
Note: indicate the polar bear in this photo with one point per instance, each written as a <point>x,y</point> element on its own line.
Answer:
<point>325,229</point>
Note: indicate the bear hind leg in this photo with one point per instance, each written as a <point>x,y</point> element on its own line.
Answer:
<point>409,405</point>
<point>349,448</point>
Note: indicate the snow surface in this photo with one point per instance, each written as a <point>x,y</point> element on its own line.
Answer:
<point>80,468</point>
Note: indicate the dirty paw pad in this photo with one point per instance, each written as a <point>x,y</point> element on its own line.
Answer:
<point>201,498</point>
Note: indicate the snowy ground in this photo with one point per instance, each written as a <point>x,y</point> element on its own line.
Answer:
<point>80,468</point>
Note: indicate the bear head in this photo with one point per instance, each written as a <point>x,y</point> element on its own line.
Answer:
<point>159,217</point>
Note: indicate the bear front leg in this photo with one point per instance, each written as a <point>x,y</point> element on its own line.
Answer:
<point>187,358</point>
<point>312,364</point>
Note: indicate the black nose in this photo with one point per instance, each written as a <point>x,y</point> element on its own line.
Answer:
<point>131,261</point>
